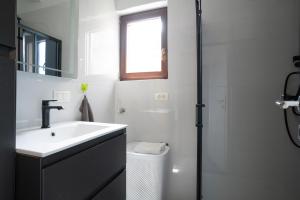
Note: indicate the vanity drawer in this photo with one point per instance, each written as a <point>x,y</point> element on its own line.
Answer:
<point>116,190</point>
<point>80,176</point>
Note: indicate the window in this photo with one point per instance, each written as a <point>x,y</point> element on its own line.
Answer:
<point>41,49</point>
<point>143,48</point>
<point>39,52</point>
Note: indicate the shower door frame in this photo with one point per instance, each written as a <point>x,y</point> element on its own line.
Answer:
<point>199,105</point>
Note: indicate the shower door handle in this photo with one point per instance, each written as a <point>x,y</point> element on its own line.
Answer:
<point>199,108</point>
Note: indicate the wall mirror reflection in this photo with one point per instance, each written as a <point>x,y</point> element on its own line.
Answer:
<point>47,37</point>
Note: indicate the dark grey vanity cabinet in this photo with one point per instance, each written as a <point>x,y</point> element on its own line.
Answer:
<point>91,171</point>
<point>115,190</point>
<point>7,22</point>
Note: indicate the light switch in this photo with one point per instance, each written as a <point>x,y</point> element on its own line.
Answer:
<point>62,96</point>
<point>162,96</point>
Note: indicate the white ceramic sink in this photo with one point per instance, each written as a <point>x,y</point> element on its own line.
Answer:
<point>44,142</point>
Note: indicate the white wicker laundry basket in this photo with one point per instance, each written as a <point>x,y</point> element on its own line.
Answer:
<point>146,174</point>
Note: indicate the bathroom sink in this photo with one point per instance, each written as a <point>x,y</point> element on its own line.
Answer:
<point>44,142</point>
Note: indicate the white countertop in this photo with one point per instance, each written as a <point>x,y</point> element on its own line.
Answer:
<point>39,142</point>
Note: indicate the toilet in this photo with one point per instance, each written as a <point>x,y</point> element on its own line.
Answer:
<point>146,174</point>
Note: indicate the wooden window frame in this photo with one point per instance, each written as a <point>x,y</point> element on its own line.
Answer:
<point>124,20</point>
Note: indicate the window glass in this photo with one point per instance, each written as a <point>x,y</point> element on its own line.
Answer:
<point>144,46</point>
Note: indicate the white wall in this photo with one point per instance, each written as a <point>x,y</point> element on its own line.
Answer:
<point>32,88</point>
<point>248,47</point>
<point>172,121</point>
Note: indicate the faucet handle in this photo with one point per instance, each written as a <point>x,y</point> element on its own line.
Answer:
<point>46,102</point>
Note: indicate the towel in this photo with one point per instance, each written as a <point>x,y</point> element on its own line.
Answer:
<point>86,111</point>
<point>150,148</point>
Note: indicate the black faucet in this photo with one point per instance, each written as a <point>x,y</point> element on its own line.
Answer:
<point>46,112</point>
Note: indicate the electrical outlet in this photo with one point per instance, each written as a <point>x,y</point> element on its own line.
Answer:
<point>162,96</point>
<point>62,96</point>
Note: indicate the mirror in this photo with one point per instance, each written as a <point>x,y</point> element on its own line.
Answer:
<point>39,49</point>
<point>47,37</point>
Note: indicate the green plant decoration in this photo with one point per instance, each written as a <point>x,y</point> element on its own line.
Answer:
<point>84,87</point>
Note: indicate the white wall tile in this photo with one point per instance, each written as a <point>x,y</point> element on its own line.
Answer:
<point>248,50</point>
<point>32,88</point>
<point>171,121</point>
